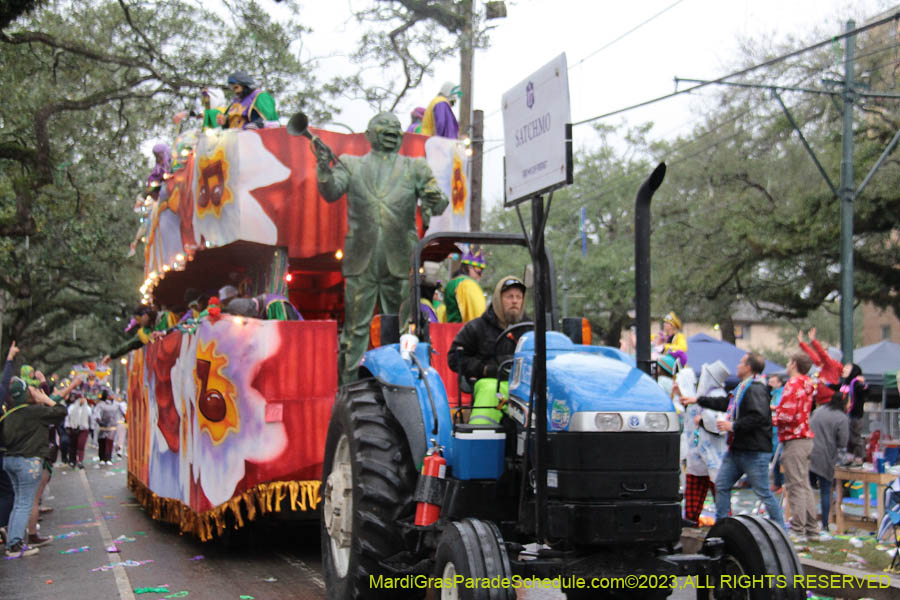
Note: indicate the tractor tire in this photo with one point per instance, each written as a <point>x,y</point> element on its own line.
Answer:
<point>368,480</point>
<point>755,546</point>
<point>472,549</point>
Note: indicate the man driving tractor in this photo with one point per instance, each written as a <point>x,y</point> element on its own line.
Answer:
<point>477,354</point>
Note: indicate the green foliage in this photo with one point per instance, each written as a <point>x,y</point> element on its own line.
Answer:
<point>600,285</point>
<point>405,39</point>
<point>744,215</point>
<point>752,218</point>
<point>86,84</point>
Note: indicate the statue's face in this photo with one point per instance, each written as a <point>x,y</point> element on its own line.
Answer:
<point>384,133</point>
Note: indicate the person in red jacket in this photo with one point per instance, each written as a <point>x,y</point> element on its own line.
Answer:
<point>829,368</point>
<point>792,419</point>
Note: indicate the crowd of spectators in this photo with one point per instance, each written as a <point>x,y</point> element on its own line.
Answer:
<point>40,426</point>
<point>781,436</point>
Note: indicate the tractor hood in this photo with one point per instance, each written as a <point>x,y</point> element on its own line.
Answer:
<point>584,379</point>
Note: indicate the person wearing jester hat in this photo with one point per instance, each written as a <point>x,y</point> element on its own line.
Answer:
<point>670,340</point>
<point>250,108</point>
<point>463,296</point>
<point>439,118</point>
<point>383,191</point>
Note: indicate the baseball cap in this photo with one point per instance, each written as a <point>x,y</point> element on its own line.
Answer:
<point>513,282</point>
<point>18,390</point>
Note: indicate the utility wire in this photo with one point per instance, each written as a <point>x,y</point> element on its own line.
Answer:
<point>625,179</point>
<point>626,34</point>
<point>608,44</point>
<point>678,155</point>
<point>761,65</point>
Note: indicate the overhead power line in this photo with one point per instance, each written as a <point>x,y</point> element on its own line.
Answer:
<point>611,43</point>
<point>761,65</point>
<point>626,34</point>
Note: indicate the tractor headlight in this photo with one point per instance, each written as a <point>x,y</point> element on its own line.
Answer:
<point>657,421</point>
<point>608,422</point>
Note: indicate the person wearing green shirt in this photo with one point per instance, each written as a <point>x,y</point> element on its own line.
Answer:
<point>463,296</point>
<point>24,430</point>
<point>250,108</point>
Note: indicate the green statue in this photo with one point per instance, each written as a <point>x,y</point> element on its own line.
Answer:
<point>383,190</point>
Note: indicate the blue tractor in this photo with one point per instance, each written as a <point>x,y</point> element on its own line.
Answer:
<point>579,481</point>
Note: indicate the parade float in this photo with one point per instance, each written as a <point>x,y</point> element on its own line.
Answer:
<point>228,415</point>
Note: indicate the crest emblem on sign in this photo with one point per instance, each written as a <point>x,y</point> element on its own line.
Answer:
<point>529,94</point>
<point>634,421</point>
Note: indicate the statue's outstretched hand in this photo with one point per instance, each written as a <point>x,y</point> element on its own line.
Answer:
<point>323,154</point>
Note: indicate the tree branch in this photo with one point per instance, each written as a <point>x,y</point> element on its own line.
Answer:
<point>450,20</point>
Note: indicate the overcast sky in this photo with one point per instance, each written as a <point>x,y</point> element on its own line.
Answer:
<point>694,39</point>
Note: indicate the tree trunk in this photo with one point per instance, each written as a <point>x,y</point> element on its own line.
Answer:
<point>726,327</point>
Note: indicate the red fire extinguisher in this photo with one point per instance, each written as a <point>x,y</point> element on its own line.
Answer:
<point>430,487</point>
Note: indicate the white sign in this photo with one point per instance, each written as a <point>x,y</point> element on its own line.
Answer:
<point>535,114</point>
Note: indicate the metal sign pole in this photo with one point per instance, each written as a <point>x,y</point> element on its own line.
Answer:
<point>539,373</point>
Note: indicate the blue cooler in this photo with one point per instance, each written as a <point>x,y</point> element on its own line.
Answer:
<point>478,451</point>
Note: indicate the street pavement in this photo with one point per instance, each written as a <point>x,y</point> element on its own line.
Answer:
<point>94,510</point>
<point>93,507</point>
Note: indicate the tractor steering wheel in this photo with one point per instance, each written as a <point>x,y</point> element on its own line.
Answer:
<point>528,325</point>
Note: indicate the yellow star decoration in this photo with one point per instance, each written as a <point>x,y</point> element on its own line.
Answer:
<point>217,411</point>
<point>213,193</point>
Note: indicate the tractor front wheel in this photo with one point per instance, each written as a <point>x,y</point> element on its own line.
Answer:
<point>758,560</point>
<point>472,551</point>
<point>368,481</point>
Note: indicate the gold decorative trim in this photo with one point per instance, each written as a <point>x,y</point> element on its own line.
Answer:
<point>261,499</point>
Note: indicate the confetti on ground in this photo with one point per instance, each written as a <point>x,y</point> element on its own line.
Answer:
<point>109,517</point>
<point>49,581</point>
<point>77,506</point>
<point>109,496</point>
<point>270,579</point>
<point>198,557</point>
<point>123,538</point>
<point>112,549</point>
<point>152,590</point>
<point>63,536</point>
<point>75,550</point>
<point>129,504</point>
<point>127,563</point>
<point>246,597</point>
<point>81,522</point>
<point>138,533</point>
<point>180,594</point>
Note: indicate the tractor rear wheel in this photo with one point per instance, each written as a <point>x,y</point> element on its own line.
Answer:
<point>474,550</point>
<point>368,480</point>
<point>755,547</point>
